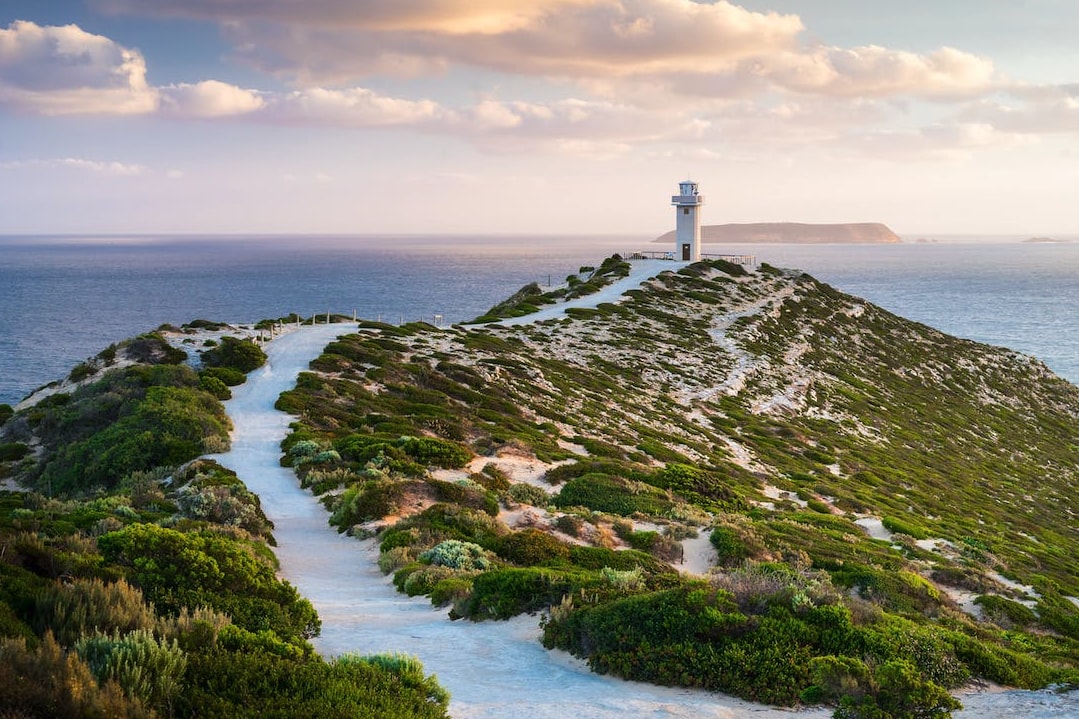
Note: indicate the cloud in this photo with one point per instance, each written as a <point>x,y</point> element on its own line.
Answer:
<point>949,141</point>
<point>354,107</point>
<point>340,41</point>
<point>208,99</point>
<point>1031,110</point>
<point>114,169</point>
<point>64,70</point>
<point>873,71</point>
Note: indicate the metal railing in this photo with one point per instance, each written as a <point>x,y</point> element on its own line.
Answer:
<point>745,260</point>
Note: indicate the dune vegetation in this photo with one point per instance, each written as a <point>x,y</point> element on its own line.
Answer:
<point>137,580</point>
<point>889,508</point>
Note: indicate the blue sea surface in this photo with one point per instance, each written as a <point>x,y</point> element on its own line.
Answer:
<point>66,298</point>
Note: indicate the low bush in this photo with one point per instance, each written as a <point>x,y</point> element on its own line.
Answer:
<point>83,606</point>
<point>455,554</point>
<point>146,668</point>
<point>532,495</point>
<point>227,375</point>
<point>13,451</point>
<point>529,547</point>
<point>237,354</point>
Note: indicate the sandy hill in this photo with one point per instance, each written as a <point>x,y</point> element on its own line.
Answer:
<point>795,233</point>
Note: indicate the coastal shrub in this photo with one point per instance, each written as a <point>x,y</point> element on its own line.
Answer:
<point>166,426</point>
<point>422,580</point>
<point>239,354</point>
<point>491,477</point>
<point>81,371</point>
<point>504,593</point>
<point>445,521</point>
<point>146,668</point>
<point>900,526</point>
<point>899,692</point>
<point>304,448</point>
<point>531,546</point>
<point>407,668</point>
<point>43,680</point>
<point>570,524</point>
<point>82,606</point>
<point>433,452</point>
<point>227,375</point>
<point>215,387</point>
<point>152,349</point>
<point>368,501</point>
<point>455,554</point>
<point>6,412</point>
<point>258,684</point>
<point>176,570</point>
<point>604,493</point>
<point>1005,612</point>
<point>465,495</point>
<point>450,590</point>
<point>13,451</point>
<point>532,495</point>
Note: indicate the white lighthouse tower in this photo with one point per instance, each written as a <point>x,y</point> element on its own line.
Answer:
<point>687,235</point>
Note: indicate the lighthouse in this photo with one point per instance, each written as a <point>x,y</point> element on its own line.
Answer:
<point>687,234</point>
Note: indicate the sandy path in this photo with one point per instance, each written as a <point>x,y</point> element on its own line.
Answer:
<point>492,669</point>
<point>640,271</point>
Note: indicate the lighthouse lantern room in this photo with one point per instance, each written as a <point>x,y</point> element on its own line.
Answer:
<point>687,235</point>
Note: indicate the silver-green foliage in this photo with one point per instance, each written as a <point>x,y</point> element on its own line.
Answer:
<point>146,668</point>
<point>455,554</point>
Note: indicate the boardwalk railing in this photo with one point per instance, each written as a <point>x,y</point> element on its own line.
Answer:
<point>745,260</point>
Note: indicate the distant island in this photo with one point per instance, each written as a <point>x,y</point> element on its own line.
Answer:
<point>1045,241</point>
<point>795,233</point>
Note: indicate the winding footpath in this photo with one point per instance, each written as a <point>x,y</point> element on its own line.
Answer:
<point>492,669</point>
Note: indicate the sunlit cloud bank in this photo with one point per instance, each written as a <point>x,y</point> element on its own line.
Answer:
<point>629,74</point>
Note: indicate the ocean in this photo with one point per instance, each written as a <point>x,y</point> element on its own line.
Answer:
<point>66,298</point>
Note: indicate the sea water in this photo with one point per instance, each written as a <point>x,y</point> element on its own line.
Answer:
<point>63,299</point>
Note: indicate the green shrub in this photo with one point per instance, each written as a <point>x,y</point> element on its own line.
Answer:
<point>433,452</point>
<point>215,387</point>
<point>730,547</point>
<point>371,500</point>
<point>450,590</point>
<point>455,554</point>
<point>83,606</point>
<point>409,669</point>
<point>503,593</point>
<point>900,526</point>
<point>422,580</point>
<point>531,546</point>
<point>176,570</point>
<point>523,493</point>
<point>46,681</point>
<point>6,412</point>
<point>148,669</point>
<point>1006,612</point>
<point>13,451</point>
<point>570,524</point>
<point>603,493</point>
<point>227,375</point>
<point>241,355</point>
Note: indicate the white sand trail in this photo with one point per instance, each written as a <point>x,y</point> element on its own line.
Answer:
<point>492,669</point>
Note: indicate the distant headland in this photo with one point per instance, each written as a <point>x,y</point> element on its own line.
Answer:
<point>796,233</point>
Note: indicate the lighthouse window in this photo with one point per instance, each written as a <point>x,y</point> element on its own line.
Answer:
<point>685,210</point>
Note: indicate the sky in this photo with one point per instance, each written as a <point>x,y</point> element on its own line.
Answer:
<point>540,117</point>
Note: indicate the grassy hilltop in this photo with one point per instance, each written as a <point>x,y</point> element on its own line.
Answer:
<point>889,508</point>
<point>885,511</point>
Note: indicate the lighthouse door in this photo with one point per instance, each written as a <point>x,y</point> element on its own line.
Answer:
<point>685,252</point>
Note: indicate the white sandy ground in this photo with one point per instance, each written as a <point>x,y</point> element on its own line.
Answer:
<point>492,669</point>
